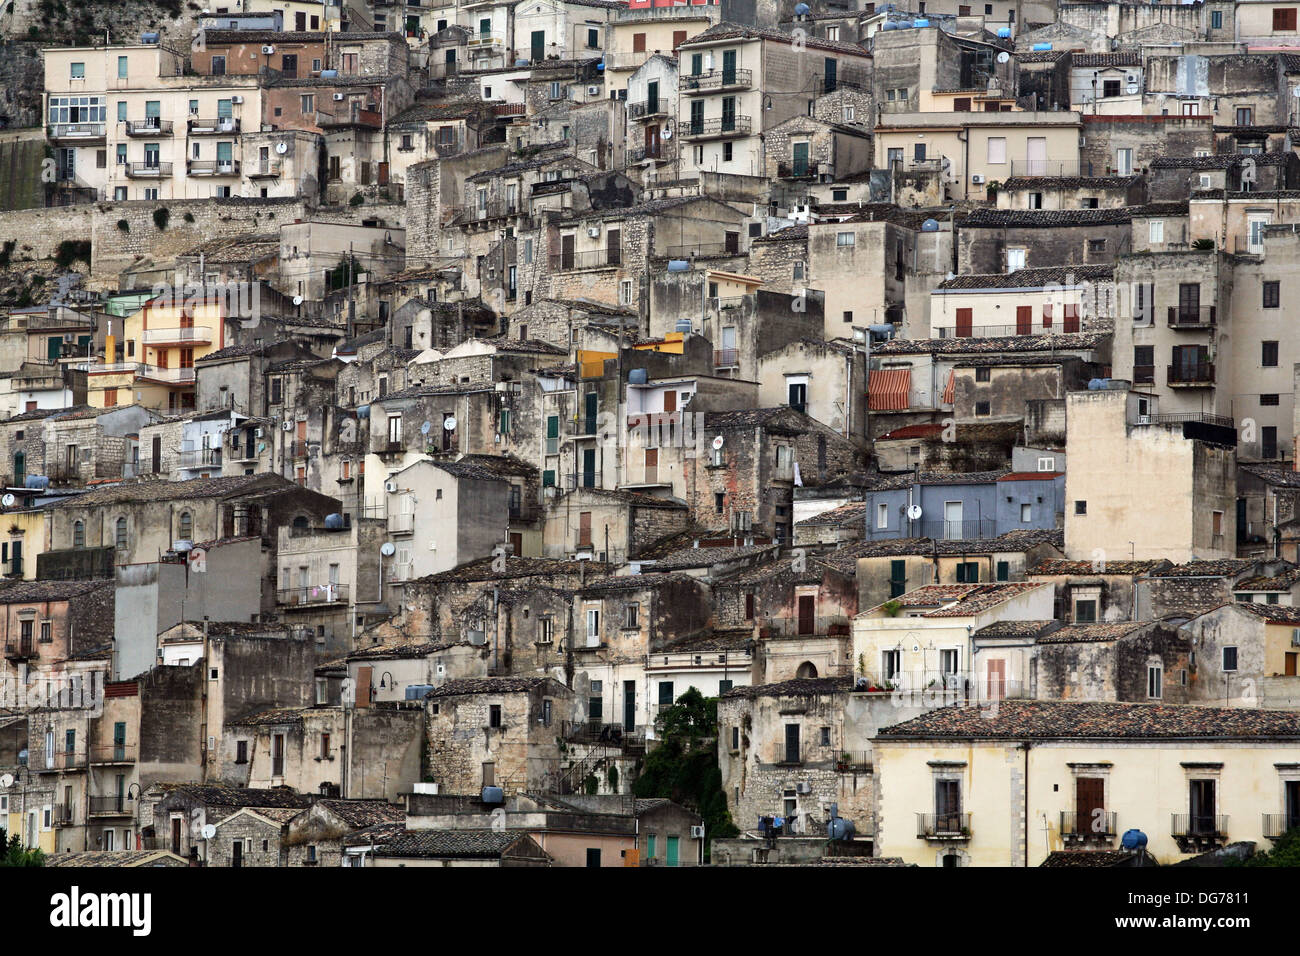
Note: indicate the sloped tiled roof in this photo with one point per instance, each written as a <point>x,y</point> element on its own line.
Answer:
<point>1125,568</point>
<point>1063,276</point>
<point>986,218</point>
<point>488,685</point>
<point>472,844</point>
<point>1092,633</point>
<point>961,600</point>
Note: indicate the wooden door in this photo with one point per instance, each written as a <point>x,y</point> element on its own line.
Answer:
<point>965,322</point>
<point>807,613</point>
<point>947,806</point>
<point>1290,663</point>
<point>670,401</point>
<point>651,466</point>
<point>1201,806</point>
<point>364,676</point>
<point>1024,319</point>
<point>1089,805</point>
<point>176,835</point>
<point>997,679</point>
<point>516,543</point>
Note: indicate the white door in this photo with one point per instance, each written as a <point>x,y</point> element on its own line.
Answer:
<point>1036,156</point>
<point>952,519</point>
<point>1124,162</point>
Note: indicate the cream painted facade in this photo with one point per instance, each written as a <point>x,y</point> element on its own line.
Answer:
<point>126,124</point>
<point>1015,797</point>
<point>998,311</point>
<point>1256,24</point>
<point>1183,489</point>
<point>991,146</point>
<point>632,42</point>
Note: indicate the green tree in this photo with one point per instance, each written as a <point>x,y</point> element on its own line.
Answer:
<point>15,855</point>
<point>1285,852</point>
<point>684,767</point>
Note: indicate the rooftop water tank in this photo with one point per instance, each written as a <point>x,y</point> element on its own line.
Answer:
<point>920,23</point>
<point>417,691</point>
<point>363,411</point>
<point>889,25</point>
<point>39,482</point>
<point>1004,32</point>
<point>326,74</point>
<point>148,38</point>
<point>930,225</point>
<point>638,376</point>
<point>684,325</point>
<point>522,61</point>
<point>1041,47</point>
<point>802,9</point>
<point>678,265</point>
<point>334,522</point>
<point>493,795</point>
<point>903,25</point>
<point>840,829</point>
<point>1133,840</point>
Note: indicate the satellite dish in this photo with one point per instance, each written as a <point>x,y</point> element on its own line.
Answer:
<point>668,132</point>
<point>8,501</point>
<point>297,300</point>
<point>208,831</point>
<point>914,512</point>
<point>282,148</point>
<point>1004,56</point>
<point>449,423</point>
<point>387,549</point>
<point>6,780</point>
<point>1132,88</point>
<point>424,429</point>
<point>717,442</point>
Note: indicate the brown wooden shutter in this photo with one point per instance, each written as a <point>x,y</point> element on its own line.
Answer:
<point>1089,797</point>
<point>364,675</point>
<point>1024,319</point>
<point>965,322</point>
<point>807,613</point>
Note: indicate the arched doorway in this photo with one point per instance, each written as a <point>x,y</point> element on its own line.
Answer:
<point>806,669</point>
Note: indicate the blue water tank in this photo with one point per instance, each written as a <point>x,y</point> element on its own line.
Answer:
<point>1041,47</point>
<point>930,225</point>
<point>1133,840</point>
<point>920,23</point>
<point>889,25</point>
<point>334,522</point>
<point>1004,32</point>
<point>684,325</point>
<point>327,74</point>
<point>39,482</point>
<point>522,61</point>
<point>493,795</point>
<point>363,411</point>
<point>418,691</point>
<point>678,265</point>
<point>1096,384</point>
<point>600,65</point>
<point>638,376</point>
<point>840,829</point>
<point>802,9</point>
<point>903,25</point>
<point>148,38</point>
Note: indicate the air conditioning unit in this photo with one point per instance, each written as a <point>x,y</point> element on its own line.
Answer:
<point>268,50</point>
<point>236,100</point>
<point>803,786</point>
<point>593,231</point>
<point>697,833</point>
<point>338,97</point>
<point>977,179</point>
<point>390,487</point>
<point>593,91</point>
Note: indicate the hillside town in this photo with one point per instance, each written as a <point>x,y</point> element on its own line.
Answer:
<point>463,433</point>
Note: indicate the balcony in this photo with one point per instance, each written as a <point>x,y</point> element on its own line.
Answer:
<point>113,806</point>
<point>1199,830</point>
<point>647,110</point>
<point>1053,167</point>
<point>20,650</point>
<point>269,169</point>
<point>168,376</point>
<point>715,80</point>
<point>313,594</point>
<point>486,43</point>
<point>1191,319</point>
<point>716,128</point>
<point>212,167</point>
<point>1276,825</point>
<point>298,448</point>
<point>1097,827</point>
<point>1144,374</point>
<point>148,170</point>
<point>59,760</point>
<point>61,816</point>
<point>181,335</point>
<point>804,170</point>
<point>726,358</point>
<point>402,571</point>
<point>955,529</point>
<point>83,134</point>
<point>853,761</point>
<point>1197,375</point>
<point>494,209</point>
<point>943,826</point>
<point>1068,323</point>
<point>200,458</point>
<point>596,259</point>
<point>212,127</point>
<point>401,523</point>
<point>113,753</point>
<point>642,153</point>
<point>149,126</point>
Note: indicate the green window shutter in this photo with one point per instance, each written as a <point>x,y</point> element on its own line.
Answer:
<point>548,479</point>
<point>553,426</point>
<point>1004,571</point>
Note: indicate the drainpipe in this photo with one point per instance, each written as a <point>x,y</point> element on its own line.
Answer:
<point>1025,745</point>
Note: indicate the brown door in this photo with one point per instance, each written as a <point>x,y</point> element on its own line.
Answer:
<point>1089,805</point>
<point>807,613</point>
<point>670,401</point>
<point>997,679</point>
<point>965,322</point>
<point>157,454</point>
<point>679,37</point>
<point>584,529</point>
<point>1071,321</point>
<point>516,543</point>
<point>1024,319</point>
<point>638,43</point>
<point>364,675</point>
<point>652,142</point>
<point>1047,317</point>
<point>566,252</point>
<point>176,835</point>
<point>651,466</point>
<point>613,247</point>
<point>1291,665</point>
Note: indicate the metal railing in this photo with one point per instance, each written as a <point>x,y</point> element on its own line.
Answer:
<point>20,649</point>
<point>59,760</point>
<point>1204,826</point>
<point>401,523</point>
<point>853,760</point>
<point>199,457</point>
<point>726,358</point>
<point>1098,825</point>
<point>224,124</point>
<point>495,209</point>
<point>957,529</point>
<point>1066,324</point>
<point>312,594</point>
<point>1200,373</point>
<point>803,170</point>
<point>177,376</point>
<point>1277,824</point>
<point>645,108</point>
<point>149,126</point>
<point>182,333</point>
<point>943,826</point>
<point>1050,167</point>
<point>212,167</point>
<point>1144,374</point>
<point>592,259</point>
<point>642,153</point>
<point>62,815</point>
<point>267,168</point>
<point>148,170</point>
<point>724,126</point>
<point>1177,418</point>
<point>716,80</point>
<point>113,753</point>
<point>1198,318</point>
<point>111,806</point>
<point>76,131</point>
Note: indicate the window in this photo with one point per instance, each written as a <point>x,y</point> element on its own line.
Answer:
<point>1245,115</point>
<point>968,572</point>
<point>276,393</point>
<point>78,71</point>
<point>1109,88</point>
<point>1085,612</point>
<point>1283,19</point>
<point>882,515</point>
<point>494,716</point>
<point>1015,259</point>
<point>1270,399</point>
<point>631,616</point>
<point>719,502</point>
<point>1026,513</point>
<point>1124,162</point>
<point>1272,295</point>
<point>983,374</point>
<point>593,39</point>
<point>844,238</point>
<point>890,663</point>
<point>120,535</point>
<point>997,150</point>
<point>593,627</point>
<point>187,526</point>
<point>825,736</point>
<point>726,152</point>
<point>798,270</point>
<point>1216,20</point>
<point>1156,231</point>
<point>394,429</point>
<point>78,534</point>
<point>241,751</point>
<point>1268,354</point>
<point>982,409</point>
<point>1081,507</point>
<point>1097,245</point>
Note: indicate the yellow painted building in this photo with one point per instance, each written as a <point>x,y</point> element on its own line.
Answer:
<point>1007,785</point>
<point>160,344</point>
<point>28,527</point>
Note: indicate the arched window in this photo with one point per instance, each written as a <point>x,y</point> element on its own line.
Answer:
<point>300,522</point>
<point>120,541</point>
<point>806,670</point>
<point>187,525</point>
<point>78,534</point>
